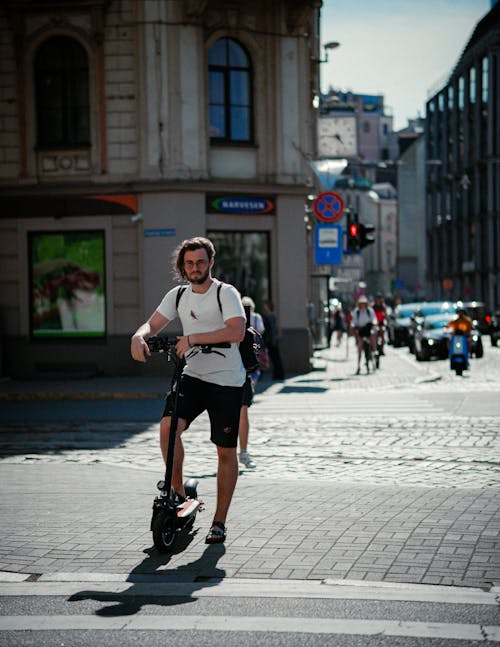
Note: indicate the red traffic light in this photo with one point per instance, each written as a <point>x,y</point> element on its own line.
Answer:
<point>353,230</point>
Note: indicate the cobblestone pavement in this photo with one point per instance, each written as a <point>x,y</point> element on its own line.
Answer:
<point>401,430</point>
<point>379,477</point>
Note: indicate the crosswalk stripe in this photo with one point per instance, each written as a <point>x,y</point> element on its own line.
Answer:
<point>335,626</point>
<point>74,584</point>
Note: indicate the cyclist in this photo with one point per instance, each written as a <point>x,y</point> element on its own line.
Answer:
<point>381,315</point>
<point>364,323</point>
<point>210,382</point>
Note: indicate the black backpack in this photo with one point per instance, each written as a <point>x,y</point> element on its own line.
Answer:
<point>252,341</point>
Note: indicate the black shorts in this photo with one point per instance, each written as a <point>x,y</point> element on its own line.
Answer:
<point>222,403</point>
<point>247,392</point>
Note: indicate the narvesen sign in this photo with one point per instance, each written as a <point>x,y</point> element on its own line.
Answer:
<point>256,205</point>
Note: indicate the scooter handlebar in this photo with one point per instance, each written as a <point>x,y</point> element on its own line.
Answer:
<point>163,344</point>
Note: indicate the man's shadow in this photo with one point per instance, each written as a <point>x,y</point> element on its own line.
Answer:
<point>197,574</point>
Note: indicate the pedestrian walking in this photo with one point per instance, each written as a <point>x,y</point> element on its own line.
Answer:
<point>255,320</point>
<point>271,339</point>
<point>337,323</point>
<point>210,382</point>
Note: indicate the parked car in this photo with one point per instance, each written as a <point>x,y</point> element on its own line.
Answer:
<point>432,339</point>
<point>397,323</point>
<point>426,309</point>
<point>494,329</point>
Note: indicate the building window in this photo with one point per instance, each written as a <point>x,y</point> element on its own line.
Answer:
<point>472,85</point>
<point>61,75</point>
<point>366,126</point>
<point>67,284</point>
<point>461,93</point>
<point>484,81</point>
<point>230,93</point>
<point>451,97</point>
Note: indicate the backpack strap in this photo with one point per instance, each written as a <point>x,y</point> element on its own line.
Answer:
<point>180,292</point>
<point>219,287</point>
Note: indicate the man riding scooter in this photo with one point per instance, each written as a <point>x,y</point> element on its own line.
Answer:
<point>462,325</point>
<point>461,329</point>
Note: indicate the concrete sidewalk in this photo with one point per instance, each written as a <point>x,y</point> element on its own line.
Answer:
<point>91,388</point>
<point>332,363</point>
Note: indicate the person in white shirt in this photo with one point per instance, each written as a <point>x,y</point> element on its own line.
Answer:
<point>211,382</point>
<point>364,323</point>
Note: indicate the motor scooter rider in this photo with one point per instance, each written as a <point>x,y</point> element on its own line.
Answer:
<point>461,325</point>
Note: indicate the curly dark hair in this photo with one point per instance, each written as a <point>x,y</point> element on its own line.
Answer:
<point>189,245</point>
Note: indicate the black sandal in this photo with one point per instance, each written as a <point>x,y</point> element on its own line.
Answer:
<point>216,534</point>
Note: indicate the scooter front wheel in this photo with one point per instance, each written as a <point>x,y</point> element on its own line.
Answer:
<point>164,531</point>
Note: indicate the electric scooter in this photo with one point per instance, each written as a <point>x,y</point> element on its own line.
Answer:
<point>171,513</point>
<point>459,354</point>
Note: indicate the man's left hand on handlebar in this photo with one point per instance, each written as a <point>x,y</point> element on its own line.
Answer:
<point>184,345</point>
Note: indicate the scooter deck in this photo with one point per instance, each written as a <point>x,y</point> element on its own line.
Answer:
<point>188,507</point>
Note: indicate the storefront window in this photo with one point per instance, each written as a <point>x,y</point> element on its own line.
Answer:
<point>242,259</point>
<point>67,279</point>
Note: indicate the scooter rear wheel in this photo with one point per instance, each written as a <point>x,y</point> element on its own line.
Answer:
<point>164,532</point>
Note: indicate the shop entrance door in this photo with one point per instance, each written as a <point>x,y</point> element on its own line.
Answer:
<point>242,259</point>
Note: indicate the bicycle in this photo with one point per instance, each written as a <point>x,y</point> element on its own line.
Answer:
<point>171,514</point>
<point>372,359</point>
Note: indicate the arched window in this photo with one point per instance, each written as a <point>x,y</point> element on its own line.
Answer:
<point>230,93</point>
<point>62,94</point>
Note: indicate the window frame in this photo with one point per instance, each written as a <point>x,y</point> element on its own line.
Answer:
<point>229,106</point>
<point>71,108</point>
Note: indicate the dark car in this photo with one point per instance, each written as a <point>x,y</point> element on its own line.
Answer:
<point>478,312</point>
<point>432,339</point>
<point>426,309</point>
<point>398,322</point>
<point>494,329</point>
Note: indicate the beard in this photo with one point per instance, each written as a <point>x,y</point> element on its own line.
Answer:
<point>198,280</point>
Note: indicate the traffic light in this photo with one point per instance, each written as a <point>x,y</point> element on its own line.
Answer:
<point>365,233</point>
<point>353,243</point>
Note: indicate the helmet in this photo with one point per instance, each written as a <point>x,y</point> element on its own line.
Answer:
<point>362,299</point>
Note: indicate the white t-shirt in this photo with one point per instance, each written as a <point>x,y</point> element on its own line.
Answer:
<point>200,312</point>
<point>361,317</point>
<point>257,322</point>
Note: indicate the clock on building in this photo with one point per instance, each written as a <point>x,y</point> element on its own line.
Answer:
<point>337,136</point>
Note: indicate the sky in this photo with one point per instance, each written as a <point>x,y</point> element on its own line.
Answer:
<point>403,49</point>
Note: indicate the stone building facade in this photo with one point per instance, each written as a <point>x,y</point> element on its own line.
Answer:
<point>463,173</point>
<point>126,127</point>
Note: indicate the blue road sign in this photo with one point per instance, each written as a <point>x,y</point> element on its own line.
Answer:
<point>328,245</point>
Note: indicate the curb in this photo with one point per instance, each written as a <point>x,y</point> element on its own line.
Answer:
<point>41,396</point>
